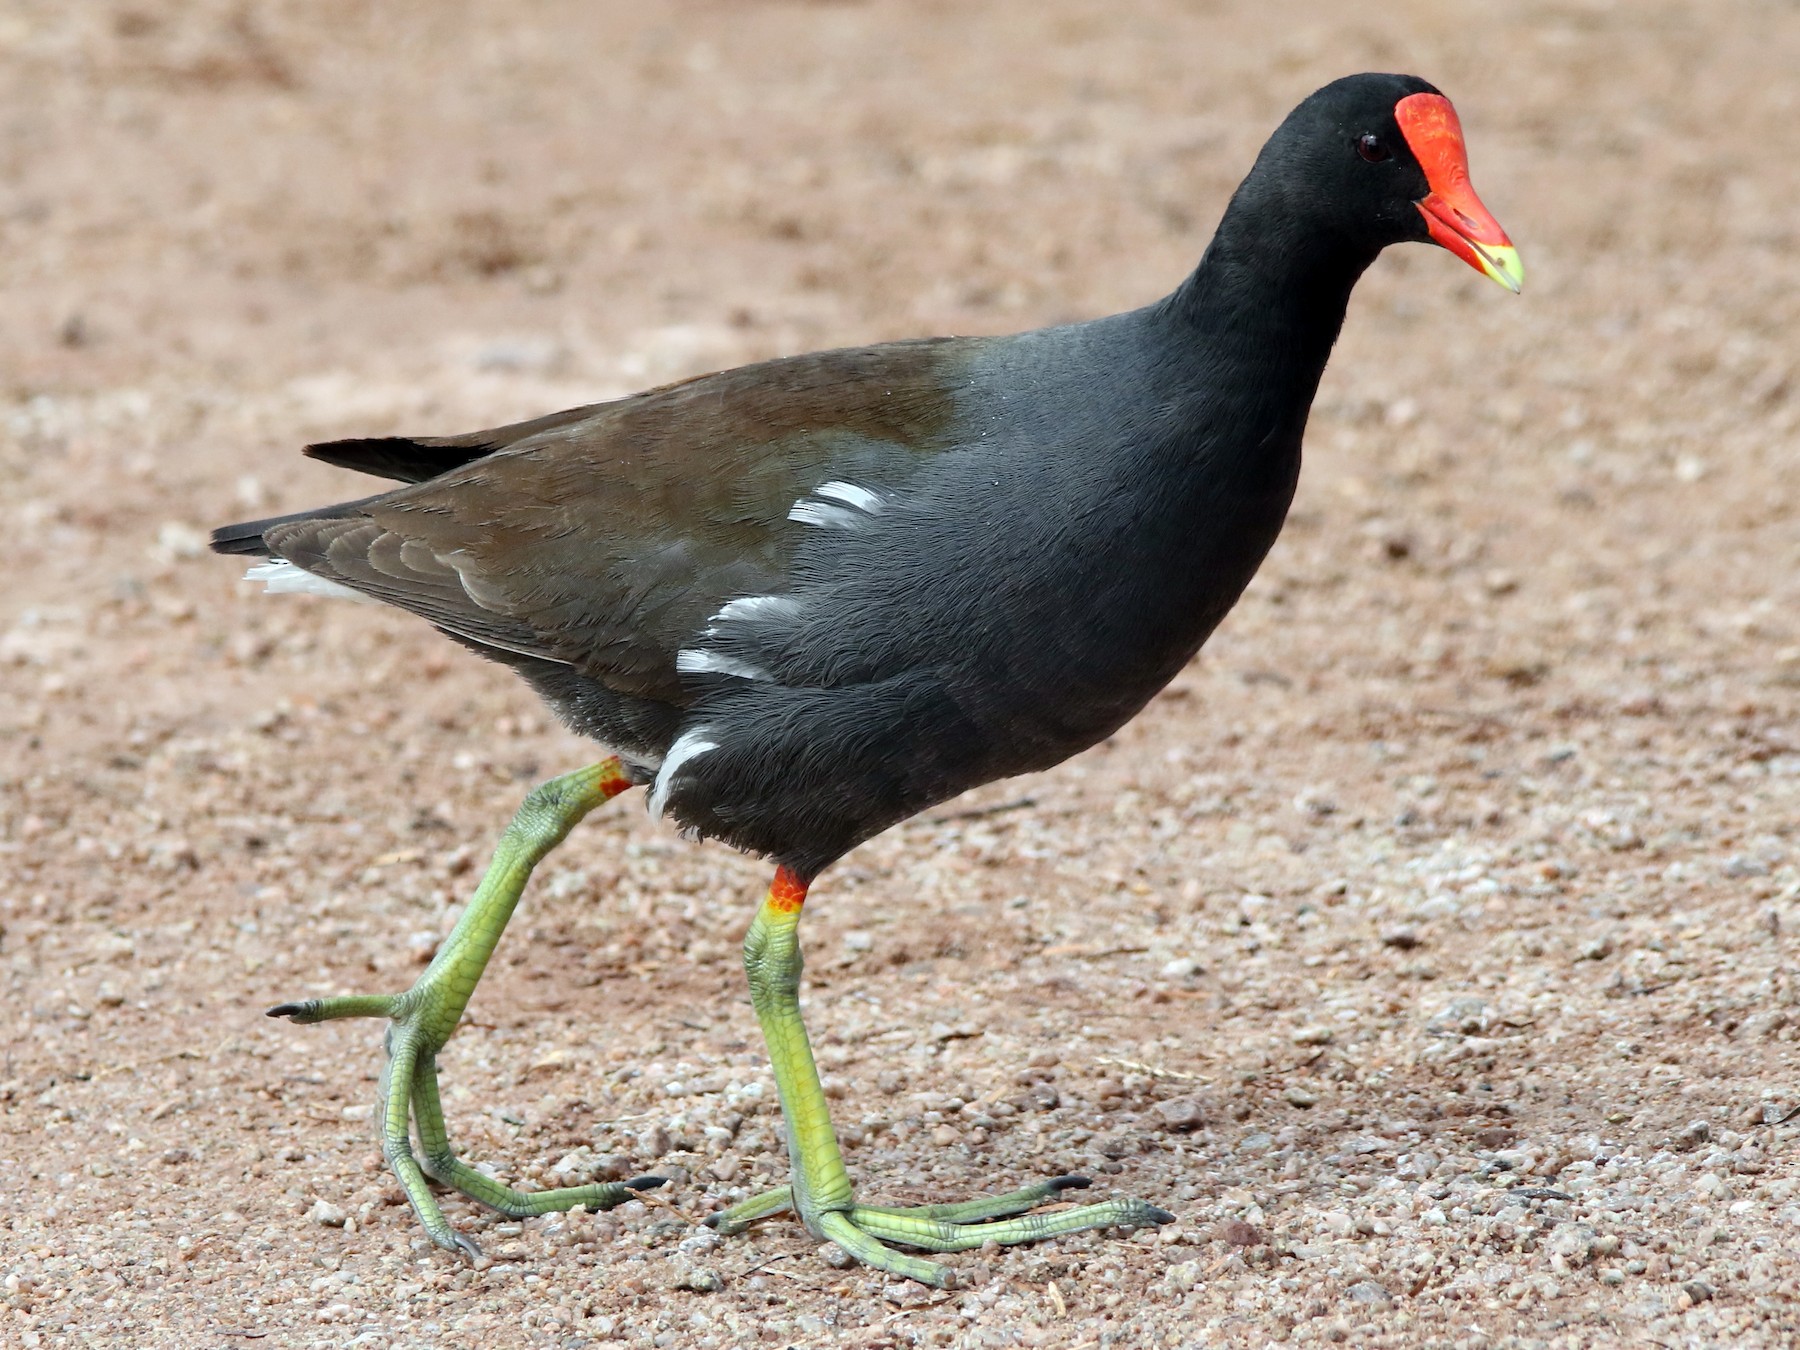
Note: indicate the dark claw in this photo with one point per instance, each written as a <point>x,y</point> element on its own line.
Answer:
<point>1141,1214</point>
<point>468,1248</point>
<point>712,1220</point>
<point>644,1183</point>
<point>296,1011</point>
<point>1057,1184</point>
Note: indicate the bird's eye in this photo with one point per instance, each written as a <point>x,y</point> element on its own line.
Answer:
<point>1372,150</point>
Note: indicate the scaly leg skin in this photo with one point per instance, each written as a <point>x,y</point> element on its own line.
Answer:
<point>821,1193</point>
<point>422,1019</point>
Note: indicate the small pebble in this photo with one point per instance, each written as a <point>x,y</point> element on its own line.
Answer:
<point>700,1280</point>
<point>1183,1276</point>
<point>326,1214</point>
<point>1572,1244</point>
<point>699,1242</point>
<point>1694,1134</point>
<point>654,1141</point>
<point>1237,1233</point>
<point>1181,1113</point>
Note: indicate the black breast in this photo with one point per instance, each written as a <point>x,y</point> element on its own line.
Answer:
<point>1013,603</point>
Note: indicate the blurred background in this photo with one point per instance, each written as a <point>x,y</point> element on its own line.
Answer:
<point>1460,863</point>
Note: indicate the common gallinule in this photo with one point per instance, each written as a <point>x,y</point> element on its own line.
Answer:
<point>803,600</point>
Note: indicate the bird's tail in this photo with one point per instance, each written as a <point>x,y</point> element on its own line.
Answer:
<point>246,537</point>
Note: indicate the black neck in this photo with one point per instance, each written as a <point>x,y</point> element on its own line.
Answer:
<point>1270,294</point>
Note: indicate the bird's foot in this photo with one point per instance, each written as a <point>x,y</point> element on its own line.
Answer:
<point>417,1028</point>
<point>865,1231</point>
<point>422,1019</point>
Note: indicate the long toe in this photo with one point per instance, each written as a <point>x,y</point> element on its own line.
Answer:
<point>926,1228</point>
<point>746,1212</point>
<point>871,1234</point>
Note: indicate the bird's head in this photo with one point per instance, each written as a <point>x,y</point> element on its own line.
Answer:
<point>1380,159</point>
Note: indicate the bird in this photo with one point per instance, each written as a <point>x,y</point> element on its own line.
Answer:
<point>803,600</point>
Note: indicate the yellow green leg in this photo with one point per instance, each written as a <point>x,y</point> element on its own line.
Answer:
<point>423,1018</point>
<point>821,1193</point>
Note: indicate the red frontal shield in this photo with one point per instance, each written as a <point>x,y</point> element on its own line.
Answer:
<point>1453,213</point>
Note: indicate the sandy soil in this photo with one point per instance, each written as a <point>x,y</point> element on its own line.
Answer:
<point>1426,948</point>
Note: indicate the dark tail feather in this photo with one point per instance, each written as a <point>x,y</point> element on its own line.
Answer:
<point>400,458</point>
<point>413,459</point>
<point>403,458</point>
<point>247,537</point>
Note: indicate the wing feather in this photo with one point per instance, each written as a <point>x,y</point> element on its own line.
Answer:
<point>603,538</point>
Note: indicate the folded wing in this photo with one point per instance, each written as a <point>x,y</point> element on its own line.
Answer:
<point>603,538</point>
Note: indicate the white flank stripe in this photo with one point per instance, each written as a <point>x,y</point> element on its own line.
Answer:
<point>697,661</point>
<point>850,494</point>
<point>281,577</point>
<point>759,607</point>
<point>688,745</point>
<point>827,516</point>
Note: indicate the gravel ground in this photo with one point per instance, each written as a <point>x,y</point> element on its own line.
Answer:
<point>1426,948</point>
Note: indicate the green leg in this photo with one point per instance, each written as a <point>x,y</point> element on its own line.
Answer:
<point>821,1192</point>
<point>422,1019</point>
